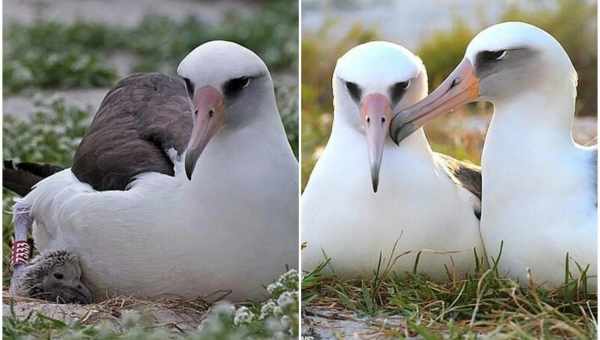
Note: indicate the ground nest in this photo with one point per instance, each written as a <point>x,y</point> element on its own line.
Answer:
<point>174,313</point>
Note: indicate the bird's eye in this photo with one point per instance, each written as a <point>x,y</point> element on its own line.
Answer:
<point>398,89</point>
<point>354,90</point>
<point>235,85</point>
<point>189,86</point>
<point>494,55</point>
<point>59,276</point>
<point>403,85</point>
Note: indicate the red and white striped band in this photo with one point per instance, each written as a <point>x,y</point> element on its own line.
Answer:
<point>19,253</point>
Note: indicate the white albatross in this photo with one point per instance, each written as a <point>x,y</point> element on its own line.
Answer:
<point>539,186</point>
<point>147,215</point>
<point>423,200</point>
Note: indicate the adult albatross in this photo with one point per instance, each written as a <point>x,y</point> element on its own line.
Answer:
<point>365,193</point>
<point>539,187</point>
<point>169,195</point>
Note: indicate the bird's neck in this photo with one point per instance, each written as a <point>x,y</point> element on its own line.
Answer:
<point>242,154</point>
<point>527,147</point>
<point>529,127</point>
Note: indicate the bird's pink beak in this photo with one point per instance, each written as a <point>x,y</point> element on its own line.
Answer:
<point>208,120</point>
<point>461,87</point>
<point>376,113</point>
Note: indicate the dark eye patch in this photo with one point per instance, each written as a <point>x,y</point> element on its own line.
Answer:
<point>492,62</point>
<point>397,91</point>
<point>234,86</point>
<point>59,276</point>
<point>354,90</point>
<point>189,86</point>
<point>490,56</point>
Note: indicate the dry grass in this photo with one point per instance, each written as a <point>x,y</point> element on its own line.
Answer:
<point>173,313</point>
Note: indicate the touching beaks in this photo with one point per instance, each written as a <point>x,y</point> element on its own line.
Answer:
<point>460,87</point>
<point>208,120</point>
<point>376,113</point>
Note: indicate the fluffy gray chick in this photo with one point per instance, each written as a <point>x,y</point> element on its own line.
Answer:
<point>54,276</point>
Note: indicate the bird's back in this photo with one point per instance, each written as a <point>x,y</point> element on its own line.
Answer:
<point>139,119</point>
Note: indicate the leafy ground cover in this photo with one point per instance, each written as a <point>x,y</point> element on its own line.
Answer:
<point>53,55</point>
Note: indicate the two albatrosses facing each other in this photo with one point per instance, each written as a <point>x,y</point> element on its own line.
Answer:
<point>539,187</point>
<point>424,200</point>
<point>185,189</point>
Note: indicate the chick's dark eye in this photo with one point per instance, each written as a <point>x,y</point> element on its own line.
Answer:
<point>189,86</point>
<point>235,85</point>
<point>354,90</point>
<point>59,276</point>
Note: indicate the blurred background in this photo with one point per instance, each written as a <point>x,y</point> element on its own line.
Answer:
<point>438,32</point>
<point>62,56</point>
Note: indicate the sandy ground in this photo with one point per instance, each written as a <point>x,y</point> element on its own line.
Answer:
<point>330,323</point>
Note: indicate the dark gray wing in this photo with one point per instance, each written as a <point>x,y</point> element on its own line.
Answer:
<point>465,174</point>
<point>21,177</point>
<point>141,118</point>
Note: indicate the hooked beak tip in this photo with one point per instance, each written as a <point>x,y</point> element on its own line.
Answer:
<point>375,178</point>
<point>375,185</point>
<point>189,168</point>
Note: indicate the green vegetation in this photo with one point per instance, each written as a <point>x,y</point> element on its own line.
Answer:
<point>572,22</point>
<point>276,318</point>
<point>51,137</point>
<point>53,55</point>
<point>481,302</point>
<point>287,101</point>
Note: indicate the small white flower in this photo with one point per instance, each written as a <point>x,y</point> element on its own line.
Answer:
<point>243,316</point>
<point>285,299</point>
<point>267,309</point>
<point>275,287</point>
<point>291,275</point>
